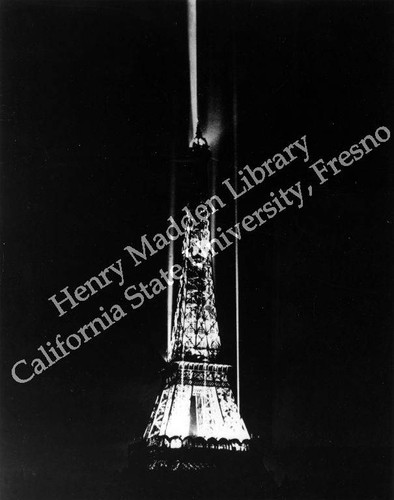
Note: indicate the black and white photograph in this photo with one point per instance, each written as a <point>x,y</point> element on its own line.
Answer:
<point>196,249</point>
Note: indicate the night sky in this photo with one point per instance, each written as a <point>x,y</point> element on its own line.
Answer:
<point>95,103</point>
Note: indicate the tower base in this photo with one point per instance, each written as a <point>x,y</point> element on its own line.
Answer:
<point>196,408</point>
<point>196,473</point>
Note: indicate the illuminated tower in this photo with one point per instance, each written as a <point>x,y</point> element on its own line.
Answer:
<point>196,407</point>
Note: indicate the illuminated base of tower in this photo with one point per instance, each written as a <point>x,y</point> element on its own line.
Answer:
<point>197,409</point>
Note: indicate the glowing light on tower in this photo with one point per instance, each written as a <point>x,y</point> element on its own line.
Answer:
<point>196,402</point>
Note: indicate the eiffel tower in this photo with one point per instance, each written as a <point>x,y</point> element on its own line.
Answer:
<point>196,407</point>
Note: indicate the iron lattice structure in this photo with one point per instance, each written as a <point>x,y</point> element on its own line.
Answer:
<point>195,336</point>
<point>196,407</point>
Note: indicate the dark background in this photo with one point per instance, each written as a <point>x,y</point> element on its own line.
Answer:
<point>95,101</point>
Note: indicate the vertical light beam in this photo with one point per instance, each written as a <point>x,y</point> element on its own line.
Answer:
<point>169,300</point>
<point>192,29</point>
<point>236,256</point>
<point>170,264</point>
<point>213,192</point>
<point>237,290</point>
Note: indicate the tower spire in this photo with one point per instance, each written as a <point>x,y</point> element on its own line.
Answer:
<point>199,142</point>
